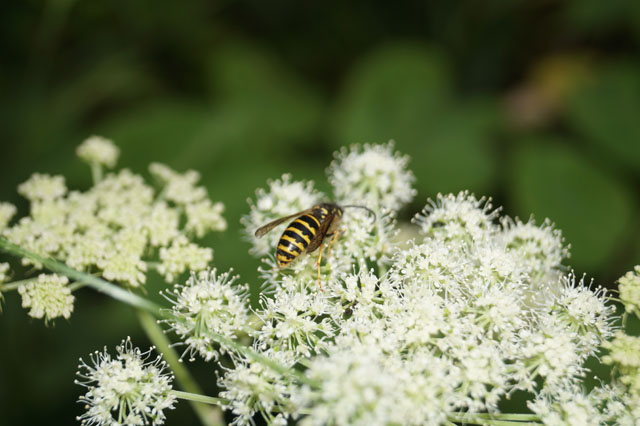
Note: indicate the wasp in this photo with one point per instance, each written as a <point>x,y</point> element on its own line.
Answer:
<point>307,232</point>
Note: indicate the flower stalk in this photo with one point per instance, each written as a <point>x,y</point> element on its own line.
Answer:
<point>96,283</point>
<point>200,399</point>
<point>498,419</point>
<point>209,416</point>
<point>15,284</point>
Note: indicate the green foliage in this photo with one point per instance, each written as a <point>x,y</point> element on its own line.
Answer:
<point>606,112</point>
<point>404,92</point>
<point>592,208</point>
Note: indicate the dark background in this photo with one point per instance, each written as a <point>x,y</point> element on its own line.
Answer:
<point>534,103</point>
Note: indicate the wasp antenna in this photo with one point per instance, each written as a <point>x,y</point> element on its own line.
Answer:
<point>362,207</point>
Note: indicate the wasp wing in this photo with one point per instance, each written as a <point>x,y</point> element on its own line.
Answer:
<point>269,226</point>
<point>322,232</point>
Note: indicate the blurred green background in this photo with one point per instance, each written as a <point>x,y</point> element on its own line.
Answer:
<point>534,103</point>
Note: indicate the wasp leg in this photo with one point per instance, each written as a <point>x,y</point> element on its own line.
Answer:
<point>333,239</point>
<point>318,266</point>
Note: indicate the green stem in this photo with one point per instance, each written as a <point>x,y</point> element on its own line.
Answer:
<point>495,419</point>
<point>194,397</point>
<point>209,416</point>
<point>508,416</point>
<point>153,265</point>
<point>15,284</point>
<point>96,173</point>
<point>96,283</point>
<point>77,285</point>
<point>132,299</point>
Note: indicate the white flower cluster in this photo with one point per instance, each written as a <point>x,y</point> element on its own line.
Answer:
<point>98,150</point>
<point>48,297</point>
<point>120,224</point>
<point>606,405</point>
<point>372,175</point>
<point>434,332</point>
<point>7,211</point>
<point>251,386</point>
<point>4,272</point>
<point>617,403</point>
<point>130,390</point>
<point>629,288</point>
<point>208,303</point>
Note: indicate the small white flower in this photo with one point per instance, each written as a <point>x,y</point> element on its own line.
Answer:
<point>253,387</point>
<point>584,312</point>
<point>42,187</point>
<point>122,260</point>
<point>182,255</point>
<point>208,302</point>
<point>205,216</point>
<point>365,238</point>
<point>48,297</point>
<point>569,406</point>
<point>7,211</point>
<point>88,248</point>
<point>624,350</point>
<point>292,322</point>
<point>122,199</point>
<point>130,389</point>
<point>283,198</point>
<point>540,249</point>
<point>552,352</point>
<point>431,264</point>
<point>617,405</point>
<point>361,385</point>
<point>179,187</point>
<point>4,272</point>
<point>460,219</point>
<point>359,288</point>
<point>372,175</point>
<point>629,288</point>
<point>624,353</point>
<point>98,150</point>
<point>162,224</point>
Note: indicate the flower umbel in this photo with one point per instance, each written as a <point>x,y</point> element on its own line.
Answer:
<point>130,389</point>
<point>7,211</point>
<point>208,302</point>
<point>4,272</point>
<point>629,287</point>
<point>98,150</point>
<point>49,297</point>
<point>42,187</point>
<point>372,175</point>
<point>120,226</point>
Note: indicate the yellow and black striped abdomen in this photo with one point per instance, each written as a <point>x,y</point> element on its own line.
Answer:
<point>296,238</point>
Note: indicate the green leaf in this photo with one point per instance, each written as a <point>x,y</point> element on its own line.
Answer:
<point>458,154</point>
<point>403,92</point>
<point>273,102</point>
<point>606,112</point>
<point>397,92</point>
<point>595,18</point>
<point>156,131</point>
<point>593,210</point>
